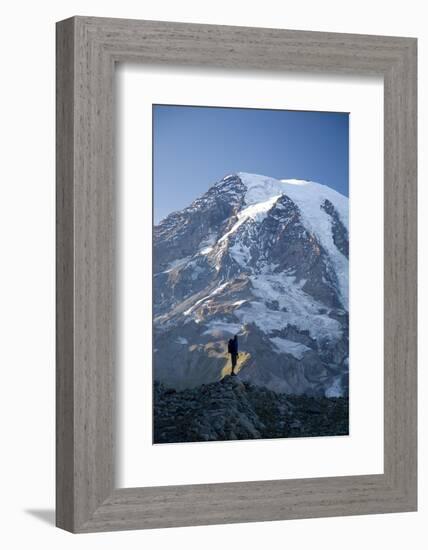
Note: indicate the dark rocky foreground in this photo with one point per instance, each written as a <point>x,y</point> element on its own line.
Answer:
<point>232,409</point>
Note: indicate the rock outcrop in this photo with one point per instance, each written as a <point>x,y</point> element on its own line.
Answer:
<point>232,409</point>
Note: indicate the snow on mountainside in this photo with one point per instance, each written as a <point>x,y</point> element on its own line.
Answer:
<point>264,258</point>
<point>309,196</point>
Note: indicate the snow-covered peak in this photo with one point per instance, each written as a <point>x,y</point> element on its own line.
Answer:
<point>310,197</point>
<point>304,193</point>
<point>260,188</point>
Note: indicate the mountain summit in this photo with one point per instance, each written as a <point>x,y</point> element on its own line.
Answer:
<point>263,258</point>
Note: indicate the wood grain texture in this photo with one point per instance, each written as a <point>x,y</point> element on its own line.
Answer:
<point>64,276</point>
<point>87,50</point>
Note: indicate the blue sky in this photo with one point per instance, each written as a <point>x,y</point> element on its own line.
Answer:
<point>193,147</point>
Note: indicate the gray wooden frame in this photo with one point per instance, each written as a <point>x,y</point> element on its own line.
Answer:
<point>87,50</point>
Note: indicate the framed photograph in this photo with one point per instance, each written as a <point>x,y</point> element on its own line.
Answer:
<point>250,279</point>
<point>236,274</point>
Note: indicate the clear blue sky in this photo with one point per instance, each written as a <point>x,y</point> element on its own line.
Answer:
<point>193,147</point>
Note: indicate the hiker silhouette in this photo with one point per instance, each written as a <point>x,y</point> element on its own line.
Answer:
<point>232,348</point>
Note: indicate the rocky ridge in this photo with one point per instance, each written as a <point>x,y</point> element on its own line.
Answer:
<point>232,409</point>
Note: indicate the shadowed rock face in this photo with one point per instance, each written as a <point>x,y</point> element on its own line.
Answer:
<point>264,259</point>
<point>182,233</point>
<point>232,409</point>
<point>340,233</point>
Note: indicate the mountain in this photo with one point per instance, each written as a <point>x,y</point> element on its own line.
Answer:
<point>264,258</point>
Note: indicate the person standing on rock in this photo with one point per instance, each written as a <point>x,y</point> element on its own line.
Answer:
<point>232,348</point>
